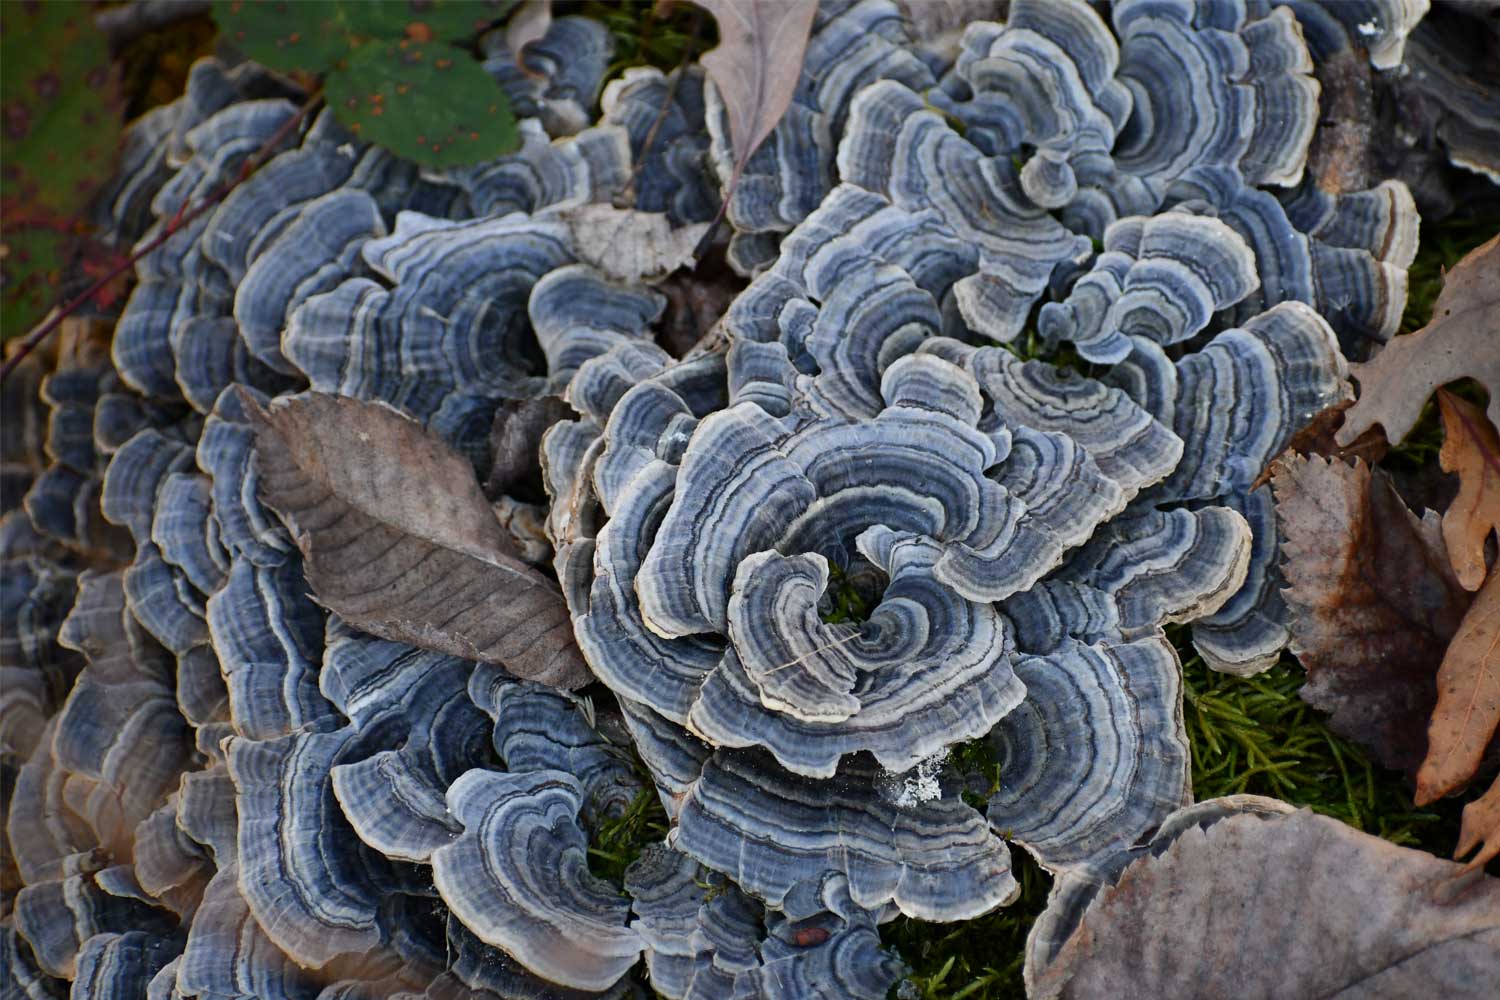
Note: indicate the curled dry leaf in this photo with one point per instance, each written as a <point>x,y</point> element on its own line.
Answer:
<point>1471,448</point>
<point>1481,828</point>
<point>1317,438</point>
<point>630,246</point>
<point>515,439</point>
<point>528,24</point>
<point>1468,699</point>
<point>1463,340</point>
<point>1373,600</point>
<point>756,65</point>
<point>1295,905</point>
<point>399,540</point>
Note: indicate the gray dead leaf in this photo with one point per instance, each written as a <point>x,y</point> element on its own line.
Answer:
<point>629,246</point>
<point>1295,905</point>
<point>528,24</point>
<point>756,65</point>
<point>399,540</point>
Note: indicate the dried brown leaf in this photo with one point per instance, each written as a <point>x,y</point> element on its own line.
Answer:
<point>399,540</point>
<point>1373,600</point>
<point>1481,826</point>
<point>515,441</point>
<point>1317,439</point>
<point>528,24</point>
<point>695,303</point>
<point>1463,340</point>
<point>756,65</point>
<point>1471,448</point>
<point>1468,699</point>
<point>1296,905</point>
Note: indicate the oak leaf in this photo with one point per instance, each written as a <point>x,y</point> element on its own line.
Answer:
<point>1468,699</point>
<point>1296,905</point>
<point>399,540</point>
<point>756,65</point>
<point>1373,599</point>
<point>1462,340</point>
<point>1471,448</point>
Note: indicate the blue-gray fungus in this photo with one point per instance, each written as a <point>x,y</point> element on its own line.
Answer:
<point>1031,305</point>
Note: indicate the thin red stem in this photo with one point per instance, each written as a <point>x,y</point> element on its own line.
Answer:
<point>174,225</point>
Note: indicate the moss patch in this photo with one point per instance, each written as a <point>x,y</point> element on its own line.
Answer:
<point>619,840</point>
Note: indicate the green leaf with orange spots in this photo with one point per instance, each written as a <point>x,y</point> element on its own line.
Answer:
<point>287,35</point>
<point>58,144</point>
<point>315,35</point>
<point>431,103</point>
<point>388,71</point>
<point>31,261</point>
<point>429,20</point>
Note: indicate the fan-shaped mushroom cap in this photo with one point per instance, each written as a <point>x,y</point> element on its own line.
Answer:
<point>36,672</point>
<point>578,314</point>
<point>28,977</point>
<point>269,642</point>
<point>169,291</point>
<point>119,733</point>
<point>423,732</point>
<point>822,946</point>
<point>557,77</point>
<point>316,249</point>
<point>789,174</point>
<point>517,877</point>
<point>1236,404</point>
<point>443,350</point>
<point>136,473</point>
<point>120,964</point>
<point>307,881</point>
<point>42,828</point>
<point>589,167</point>
<point>664,117</point>
<point>1207,87</point>
<point>1378,26</point>
<point>1161,278</point>
<point>227,953</point>
<point>226,450</point>
<point>537,729</point>
<point>768,830</point>
<point>1096,755</point>
<point>894,145</point>
<point>704,938</point>
<point>1042,81</point>
<point>57,917</point>
<point>170,865</point>
<point>809,674</point>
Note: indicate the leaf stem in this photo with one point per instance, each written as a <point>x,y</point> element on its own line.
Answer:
<point>183,216</point>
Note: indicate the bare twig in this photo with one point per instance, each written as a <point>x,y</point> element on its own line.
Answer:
<point>629,195</point>
<point>666,105</point>
<point>184,215</point>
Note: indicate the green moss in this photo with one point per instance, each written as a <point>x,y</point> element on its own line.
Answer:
<point>846,602</point>
<point>642,38</point>
<point>977,959</point>
<point>618,841</point>
<point>1255,735</point>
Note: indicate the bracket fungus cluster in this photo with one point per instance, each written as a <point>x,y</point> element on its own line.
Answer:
<point>1031,305</point>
